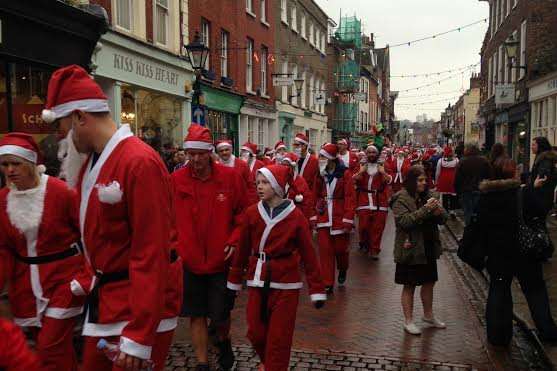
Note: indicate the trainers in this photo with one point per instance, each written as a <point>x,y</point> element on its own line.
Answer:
<point>341,278</point>
<point>202,367</point>
<point>226,355</point>
<point>434,322</point>
<point>411,328</point>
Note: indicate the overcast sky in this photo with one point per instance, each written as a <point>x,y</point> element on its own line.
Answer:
<point>398,21</point>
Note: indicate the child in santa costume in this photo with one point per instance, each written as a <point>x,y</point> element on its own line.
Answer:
<point>298,190</point>
<point>335,204</point>
<point>308,166</point>
<point>444,175</point>
<point>227,158</point>
<point>41,251</point>
<point>397,167</point>
<point>274,240</point>
<point>374,190</point>
<point>125,215</point>
<point>248,154</point>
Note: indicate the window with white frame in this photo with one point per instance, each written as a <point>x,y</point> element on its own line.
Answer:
<point>294,93</point>
<point>502,71</point>
<point>312,92</point>
<point>161,22</point>
<point>522,48</point>
<point>124,9</point>
<point>205,38</point>
<point>303,25</point>
<point>501,10</point>
<point>263,10</point>
<point>311,37</point>
<point>514,3</point>
<point>293,19</point>
<point>249,66</point>
<point>284,92</point>
<point>283,11</point>
<point>509,6</point>
<point>261,137</point>
<point>304,90</point>
<point>317,38</point>
<point>249,6</point>
<point>252,129</point>
<point>224,53</point>
<point>323,47</point>
<point>323,93</point>
<point>513,70</point>
<point>263,62</point>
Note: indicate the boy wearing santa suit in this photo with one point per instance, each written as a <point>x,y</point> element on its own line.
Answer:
<point>227,158</point>
<point>308,166</point>
<point>444,178</point>
<point>274,240</point>
<point>209,200</point>
<point>297,190</point>
<point>248,154</point>
<point>397,168</point>
<point>373,189</point>
<point>125,211</point>
<point>348,158</point>
<point>41,251</point>
<point>335,204</point>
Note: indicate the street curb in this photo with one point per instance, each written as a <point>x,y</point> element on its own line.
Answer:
<point>530,333</point>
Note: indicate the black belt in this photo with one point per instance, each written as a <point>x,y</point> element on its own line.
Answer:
<point>267,283</point>
<point>367,190</point>
<point>75,248</point>
<point>102,279</point>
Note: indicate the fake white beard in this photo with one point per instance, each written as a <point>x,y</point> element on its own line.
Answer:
<point>72,161</point>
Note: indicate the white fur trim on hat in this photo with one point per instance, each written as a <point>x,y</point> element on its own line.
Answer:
<point>326,154</point>
<point>223,145</point>
<point>64,109</point>
<point>196,144</point>
<point>281,146</point>
<point>24,153</point>
<point>300,140</point>
<point>271,178</point>
<point>245,148</point>
<point>372,147</point>
<point>299,198</point>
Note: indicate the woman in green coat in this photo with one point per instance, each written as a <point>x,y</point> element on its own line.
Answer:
<point>417,213</point>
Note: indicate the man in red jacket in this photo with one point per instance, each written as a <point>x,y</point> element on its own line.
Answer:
<point>348,158</point>
<point>209,200</point>
<point>308,166</point>
<point>227,158</point>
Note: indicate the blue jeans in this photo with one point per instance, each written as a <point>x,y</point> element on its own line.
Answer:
<point>469,202</point>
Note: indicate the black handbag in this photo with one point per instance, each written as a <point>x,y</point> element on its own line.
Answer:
<point>533,239</point>
<point>471,248</point>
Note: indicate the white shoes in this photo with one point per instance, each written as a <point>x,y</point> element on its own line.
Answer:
<point>434,322</point>
<point>412,329</point>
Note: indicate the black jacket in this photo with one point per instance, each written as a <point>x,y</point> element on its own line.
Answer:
<point>470,171</point>
<point>498,220</point>
<point>544,165</point>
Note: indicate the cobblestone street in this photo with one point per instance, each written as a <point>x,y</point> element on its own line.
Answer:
<point>361,326</point>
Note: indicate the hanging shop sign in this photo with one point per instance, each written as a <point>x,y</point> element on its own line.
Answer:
<point>504,94</point>
<point>283,79</point>
<point>359,97</point>
<point>320,98</point>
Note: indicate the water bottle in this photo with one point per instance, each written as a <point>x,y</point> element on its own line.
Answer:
<point>112,352</point>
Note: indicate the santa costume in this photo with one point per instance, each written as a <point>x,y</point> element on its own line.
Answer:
<point>280,152</point>
<point>124,212</point>
<point>15,354</point>
<point>349,159</point>
<point>398,167</point>
<point>41,253</point>
<point>234,162</point>
<point>308,166</point>
<point>273,243</point>
<point>444,175</point>
<point>335,204</point>
<point>254,164</point>
<point>374,191</point>
<point>297,190</point>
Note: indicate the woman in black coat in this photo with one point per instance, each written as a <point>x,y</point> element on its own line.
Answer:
<point>543,177</point>
<point>498,221</point>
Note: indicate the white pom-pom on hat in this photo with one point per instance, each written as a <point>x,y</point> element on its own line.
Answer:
<point>299,198</point>
<point>48,116</point>
<point>41,169</point>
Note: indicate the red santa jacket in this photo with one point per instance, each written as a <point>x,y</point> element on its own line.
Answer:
<point>34,223</point>
<point>283,241</point>
<point>125,216</point>
<point>301,195</point>
<point>335,201</point>
<point>252,196</point>
<point>397,168</point>
<point>240,166</point>
<point>373,191</point>
<point>309,169</point>
<point>15,355</point>
<point>445,174</point>
<point>350,160</point>
<point>208,215</point>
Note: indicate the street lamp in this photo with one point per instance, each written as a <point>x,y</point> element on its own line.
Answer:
<point>511,47</point>
<point>197,54</point>
<point>298,84</point>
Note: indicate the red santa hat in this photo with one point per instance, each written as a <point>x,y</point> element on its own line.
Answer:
<point>71,88</point>
<point>291,158</point>
<point>250,147</point>
<point>279,176</point>
<point>302,139</point>
<point>22,145</point>
<point>329,151</point>
<point>280,145</point>
<point>224,144</point>
<point>199,137</point>
<point>447,151</point>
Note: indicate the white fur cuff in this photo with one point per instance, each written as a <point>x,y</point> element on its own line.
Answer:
<point>110,193</point>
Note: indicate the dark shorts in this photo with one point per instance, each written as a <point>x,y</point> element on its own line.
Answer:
<point>205,295</point>
<point>416,275</point>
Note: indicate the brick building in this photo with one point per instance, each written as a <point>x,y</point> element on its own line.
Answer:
<point>237,83</point>
<point>532,25</point>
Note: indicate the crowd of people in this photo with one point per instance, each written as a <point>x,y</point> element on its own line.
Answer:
<point>131,242</point>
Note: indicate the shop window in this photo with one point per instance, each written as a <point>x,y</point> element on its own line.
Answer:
<point>161,11</point>
<point>222,125</point>
<point>124,10</point>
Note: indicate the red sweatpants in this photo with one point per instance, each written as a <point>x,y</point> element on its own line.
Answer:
<point>95,360</point>
<point>332,249</point>
<point>371,225</point>
<point>272,340</point>
<point>55,344</point>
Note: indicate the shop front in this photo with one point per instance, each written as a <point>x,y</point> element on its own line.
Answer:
<point>36,37</point>
<point>543,105</point>
<point>147,88</point>
<point>293,120</point>
<point>223,110</point>
<point>258,124</point>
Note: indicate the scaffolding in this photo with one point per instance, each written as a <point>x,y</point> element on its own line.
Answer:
<point>350,31</point>
<point>347,76</point>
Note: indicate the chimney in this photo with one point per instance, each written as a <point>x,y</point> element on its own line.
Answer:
<point>475,81</point>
